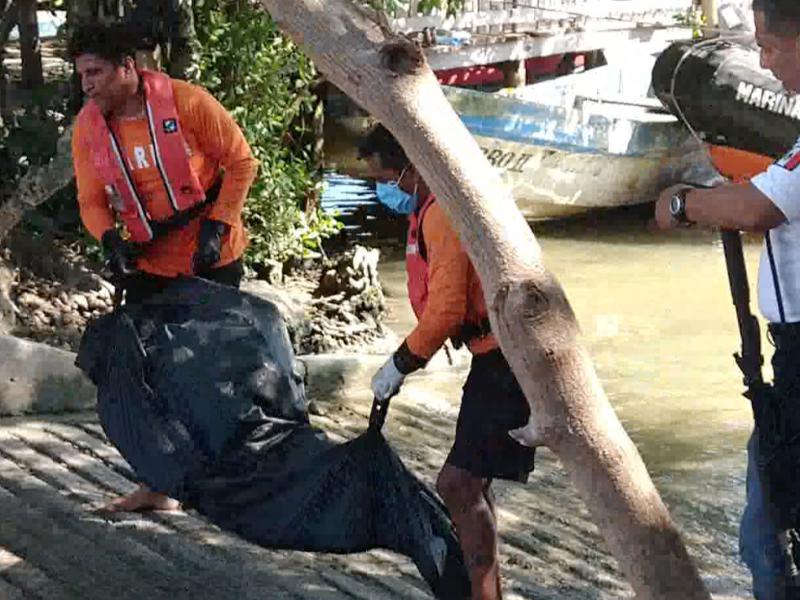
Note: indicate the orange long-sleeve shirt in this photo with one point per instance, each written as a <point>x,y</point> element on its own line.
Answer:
<point>453,285</point>
<point>214,140</point>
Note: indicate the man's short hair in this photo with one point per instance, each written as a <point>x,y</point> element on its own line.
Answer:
<point>114,42</point>
<point>381,143</point>
<point>782,17</point>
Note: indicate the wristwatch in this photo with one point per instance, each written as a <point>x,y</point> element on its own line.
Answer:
<point>677,207</point>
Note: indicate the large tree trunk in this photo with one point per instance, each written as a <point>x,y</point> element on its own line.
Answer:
<point>30,45</point>
<point>184,51</point>
<point>170,26</point>
<point>8,18</point>
<point>37,185</point>
<point>530,314</point>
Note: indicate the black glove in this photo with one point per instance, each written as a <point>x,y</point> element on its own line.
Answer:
<point>209,247</point>
<point>120,255</point>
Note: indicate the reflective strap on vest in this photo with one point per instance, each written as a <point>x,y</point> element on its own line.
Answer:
<point>162,228</point>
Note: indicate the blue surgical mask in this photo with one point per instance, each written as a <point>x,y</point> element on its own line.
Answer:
<point>390,195</point>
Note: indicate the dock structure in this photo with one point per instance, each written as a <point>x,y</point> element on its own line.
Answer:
<point>502,31</point>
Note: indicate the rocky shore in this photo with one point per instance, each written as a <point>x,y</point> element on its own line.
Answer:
<point>331,305</point>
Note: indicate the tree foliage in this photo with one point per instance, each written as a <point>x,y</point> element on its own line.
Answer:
<point>268,84</point>
<point>269,87</point>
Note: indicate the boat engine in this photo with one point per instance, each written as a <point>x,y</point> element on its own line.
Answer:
<point>741,111</point>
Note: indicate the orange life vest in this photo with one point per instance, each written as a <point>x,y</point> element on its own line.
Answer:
<point>170,152</point>
<point>416,260</point>
<point>474,325</point>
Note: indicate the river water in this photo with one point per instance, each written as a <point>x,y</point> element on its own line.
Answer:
<point>659,322</point>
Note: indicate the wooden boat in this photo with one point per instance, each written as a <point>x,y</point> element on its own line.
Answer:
<point>597,139</point>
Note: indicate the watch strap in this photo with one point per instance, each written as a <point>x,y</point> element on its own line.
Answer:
<point>680,216</point>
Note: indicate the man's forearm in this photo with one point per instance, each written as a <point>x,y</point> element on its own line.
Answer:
<point>739,207</point>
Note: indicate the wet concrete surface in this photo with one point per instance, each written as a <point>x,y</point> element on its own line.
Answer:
<point>54,471</point>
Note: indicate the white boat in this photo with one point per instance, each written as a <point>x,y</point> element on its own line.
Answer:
<point>597,139</point>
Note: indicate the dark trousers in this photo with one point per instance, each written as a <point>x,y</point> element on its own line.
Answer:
<point>139,287</point>
<point>759,544</point>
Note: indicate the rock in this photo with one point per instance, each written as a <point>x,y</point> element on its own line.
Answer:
<point>8,310</point>
<point>107,288</point>
<point>80,301</point>
<point>271,271</point>
<point>295,264</point>
<point>349,317</point>
<point>357,285</point>
<point>73,333</point>
<point>51,310</point>
<point>329,283</point>
<point>325,304</point>
<point>36,377</point>
<point>31,301</point>
<point>291,307</point>
<point>97,304</point>
<point>347,289</point>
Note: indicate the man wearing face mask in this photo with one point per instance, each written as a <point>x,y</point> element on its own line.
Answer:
<point>448,300</point>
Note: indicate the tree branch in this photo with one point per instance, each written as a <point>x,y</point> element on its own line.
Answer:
<point>529,310</point>
<point>38,185</point>
<point>7,22</point>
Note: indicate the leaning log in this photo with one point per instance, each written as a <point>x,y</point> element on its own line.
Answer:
<point>530,313</point>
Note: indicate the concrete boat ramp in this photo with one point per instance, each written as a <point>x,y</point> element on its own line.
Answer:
<point>55,470</point>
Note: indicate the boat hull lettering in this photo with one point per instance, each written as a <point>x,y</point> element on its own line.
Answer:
<point>505,159</point>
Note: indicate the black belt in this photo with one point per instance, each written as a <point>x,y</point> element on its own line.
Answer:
<point>162,228</point>
<point>471,331</point>
<point>784,335</point>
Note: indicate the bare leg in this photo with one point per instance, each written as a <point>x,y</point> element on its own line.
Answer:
<point>471,506</point>
<point>141,500</point>
<point>488,494</point>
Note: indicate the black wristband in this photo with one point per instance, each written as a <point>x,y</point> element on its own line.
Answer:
<point>406,361</point>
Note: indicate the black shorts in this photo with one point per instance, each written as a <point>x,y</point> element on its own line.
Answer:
<point>492,404</point>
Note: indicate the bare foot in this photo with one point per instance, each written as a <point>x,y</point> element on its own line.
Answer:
<point>141,500</point>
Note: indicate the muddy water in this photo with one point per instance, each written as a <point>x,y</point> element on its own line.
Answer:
<point>659,322</point>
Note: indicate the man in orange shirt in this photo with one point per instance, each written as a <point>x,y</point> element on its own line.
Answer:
<point>448,300</point>
<point>162,172</point>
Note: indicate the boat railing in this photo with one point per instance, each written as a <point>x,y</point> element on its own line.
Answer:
<point>494,16</point>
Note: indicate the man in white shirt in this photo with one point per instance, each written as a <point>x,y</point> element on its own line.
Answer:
<point>769,203</point>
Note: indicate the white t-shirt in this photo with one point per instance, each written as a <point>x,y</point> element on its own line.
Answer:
<point>781,184</point>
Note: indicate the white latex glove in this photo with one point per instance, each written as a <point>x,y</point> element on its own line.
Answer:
<point>387,381</point>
